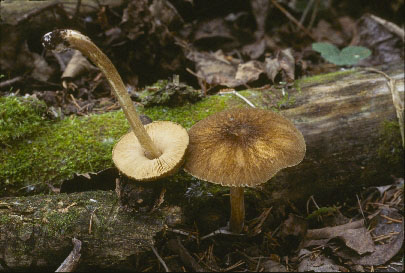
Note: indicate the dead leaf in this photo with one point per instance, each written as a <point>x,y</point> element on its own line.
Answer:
<point>386,46</point>
<point>249,71</point>
<point>353,234</point>
<point>214,68</point>
<point>213,33</point>
<point>272,68</point>
<point>294,225</point>
<point>383,228</point>
<point>273,266</point>
<point>77,65</point>
<point>325,32</point>
<point>318,263</point>
<point>287,62</point>
<point>256,49</point>
<point>284,61</point>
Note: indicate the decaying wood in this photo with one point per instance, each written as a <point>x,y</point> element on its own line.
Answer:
<point>342,120</point>
<point>37,231</point>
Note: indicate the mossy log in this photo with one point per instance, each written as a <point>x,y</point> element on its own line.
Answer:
<point>352,134</point>
<point>36,232</point>
<point>347,118</point>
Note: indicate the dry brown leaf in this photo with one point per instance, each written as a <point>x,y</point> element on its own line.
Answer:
<point>249,71</point>
<point>353,234</point>
<point>77,65</point>
<point>316,263</point>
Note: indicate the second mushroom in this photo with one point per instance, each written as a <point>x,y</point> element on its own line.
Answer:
<point>242,148</point>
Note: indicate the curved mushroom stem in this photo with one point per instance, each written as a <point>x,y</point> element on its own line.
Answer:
<point>237,219</point>
<point>62,39</point>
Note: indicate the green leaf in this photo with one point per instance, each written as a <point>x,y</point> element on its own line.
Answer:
<point>352,54</point>
<point>348,56</point>
<point>326,49</point>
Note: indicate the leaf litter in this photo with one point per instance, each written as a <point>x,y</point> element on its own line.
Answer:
<point>226,50</point>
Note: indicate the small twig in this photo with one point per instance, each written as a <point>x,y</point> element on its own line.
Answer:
<point>240,96</point>
<point>391,219</point>
<point>75,103</point>
<point>160,259</point>
<point>313,200</point>
<point>11,81</point>
<point>177,247</point>
<point>223,230</point>
<point>304,14</point>
<point>71,261</point>
<point>289,16</point>
<point>258,264</point>
<point>182,232</point>
<point>384,236</point>
<point>396,100</point>
<point>361,208</point>
<point>91,219</point>
<point>390,26</point>
<point>313,15</point>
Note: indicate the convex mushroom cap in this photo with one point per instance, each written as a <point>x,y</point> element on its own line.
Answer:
<point>243,147</point>
<point>171,140</point>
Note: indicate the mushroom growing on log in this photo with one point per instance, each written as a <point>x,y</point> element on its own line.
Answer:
<point>136,154</point>
<point>242,147</point>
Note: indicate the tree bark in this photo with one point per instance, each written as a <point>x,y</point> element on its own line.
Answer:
<point>37,231</point>
<point>351,130</point>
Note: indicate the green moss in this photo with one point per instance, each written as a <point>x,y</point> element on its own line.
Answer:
<point>5,219</point>
<point>321,212</point>
<point>59,223</point>
<point>321,79</point>
<point>187,115</point>
<point>58,149</point>
<point>390,149</point>
<point>20,117</point>
<point>61,148</point>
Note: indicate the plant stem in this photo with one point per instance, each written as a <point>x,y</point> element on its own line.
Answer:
<point>237,209</point>
<point>82,43</point>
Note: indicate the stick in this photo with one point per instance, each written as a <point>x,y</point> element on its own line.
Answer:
<point>289,16</point>
<point>390,26</point>
<point>240,96</point>
<point>11,81</point>
<point>177,247</point>
<point>71,261</point>
<point>160,259</point>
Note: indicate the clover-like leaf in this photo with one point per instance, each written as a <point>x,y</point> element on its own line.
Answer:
<point>348,56</point>
<point>352,54</point>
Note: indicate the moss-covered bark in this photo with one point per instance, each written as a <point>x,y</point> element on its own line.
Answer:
<point>37,231</point>
<point>341,115</point>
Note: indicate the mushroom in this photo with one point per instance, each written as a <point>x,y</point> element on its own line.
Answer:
<point>242,148</point>
<point>147,153</point>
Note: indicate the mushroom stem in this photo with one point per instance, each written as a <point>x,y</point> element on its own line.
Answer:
<point>237,219</point>
<point>61,39</point>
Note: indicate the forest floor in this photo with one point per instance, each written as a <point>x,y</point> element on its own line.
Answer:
<point>213,48</point>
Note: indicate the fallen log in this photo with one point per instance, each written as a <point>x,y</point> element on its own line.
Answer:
<point>36,232</point>
<point>348,120</point>
<point>351,130</point>
<point>341,116</point>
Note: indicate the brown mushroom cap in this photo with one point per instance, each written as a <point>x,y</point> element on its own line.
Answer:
<point>170,138</point>
<point>243,147</point>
